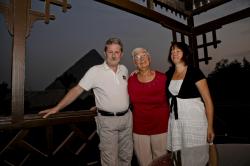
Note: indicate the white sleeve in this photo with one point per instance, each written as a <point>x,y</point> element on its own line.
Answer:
<point>88,81</point>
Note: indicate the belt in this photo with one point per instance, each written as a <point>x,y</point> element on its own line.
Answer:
<point>106,113</point>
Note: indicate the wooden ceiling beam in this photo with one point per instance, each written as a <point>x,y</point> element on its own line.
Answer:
<point>208,6</point>
<point>189,7</point>
<point>218,23</point>
<point>188,4</point>
<point>178,6</point>
<point>149,14</point>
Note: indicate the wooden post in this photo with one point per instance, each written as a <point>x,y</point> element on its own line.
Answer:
<point>193,43</point>
<point>20,17</point>
<point>20,23</point>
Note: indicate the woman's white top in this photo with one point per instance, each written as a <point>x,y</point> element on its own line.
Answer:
<point>190,129</point>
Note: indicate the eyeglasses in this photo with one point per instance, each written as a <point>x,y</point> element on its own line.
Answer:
<point>139,57</point>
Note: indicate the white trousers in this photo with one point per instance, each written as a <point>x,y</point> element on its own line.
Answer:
<point>149,147</point>
<point>116,143</point>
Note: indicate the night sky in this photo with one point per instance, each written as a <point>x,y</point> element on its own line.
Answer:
<point>52,48</point>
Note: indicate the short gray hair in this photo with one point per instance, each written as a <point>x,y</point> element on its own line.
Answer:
<point>135,51</point>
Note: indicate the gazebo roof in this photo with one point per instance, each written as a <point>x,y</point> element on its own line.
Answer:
<point>186,9</point>
<point>189,8</point>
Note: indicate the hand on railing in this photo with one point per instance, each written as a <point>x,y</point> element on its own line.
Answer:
<point>94,109</point>
<point>48,112</point>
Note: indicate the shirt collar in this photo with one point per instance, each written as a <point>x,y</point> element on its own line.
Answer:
<point>106,67</point>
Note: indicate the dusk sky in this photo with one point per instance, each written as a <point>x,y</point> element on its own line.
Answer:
<point>52,48</point>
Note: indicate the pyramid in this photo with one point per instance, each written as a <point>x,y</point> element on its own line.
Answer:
<point>58,88</point>
<point>73,75</point>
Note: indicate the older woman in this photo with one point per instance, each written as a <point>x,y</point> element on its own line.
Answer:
<point>150,109</point>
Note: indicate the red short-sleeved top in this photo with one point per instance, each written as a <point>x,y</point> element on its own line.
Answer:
<point>150,105</point>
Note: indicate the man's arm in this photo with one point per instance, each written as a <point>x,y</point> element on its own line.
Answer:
<point>67,99</point>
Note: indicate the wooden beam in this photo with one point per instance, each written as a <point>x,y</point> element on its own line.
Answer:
<point>20,135</point>
<point>205,59</point>
<point>20,22</point>
<point>208,6</point>
<point>178,6</point>
<point>182,38</point>
<point>188,4</point>
<point>79,150</point>
<point>213,43</point>
<point>204,36</point>
<point>25,145</point>
<point>149,14</point>
<point>35,120</point>
<point>150,4</point>
<point>174,36</point>
<point>194,59</point>
<point>218,23</point>
<point>63,143</point>
<point>215,39</point>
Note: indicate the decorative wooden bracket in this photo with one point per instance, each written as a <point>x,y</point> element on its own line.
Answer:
<point>62,3</point>
<point>19,18</point>
<point>32,16</point>
<point>205,45</point>
<point>8,15</point>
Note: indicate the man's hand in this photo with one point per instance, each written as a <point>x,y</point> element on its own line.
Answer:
<point>67,99</point>
<point>48,112</point>
<point>133,72</point>
<point>94,108</point>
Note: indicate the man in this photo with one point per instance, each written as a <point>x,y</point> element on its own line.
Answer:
<point>114,120</point>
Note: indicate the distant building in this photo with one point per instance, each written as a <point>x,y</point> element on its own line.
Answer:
<point>73,75</point>
<point>35,101</point>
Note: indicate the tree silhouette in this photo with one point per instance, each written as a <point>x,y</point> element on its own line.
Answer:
<point>246,65</point>
<point>5,103</point>
<point>229,86</point>
<point>3,90</point>
<point>230,81</point>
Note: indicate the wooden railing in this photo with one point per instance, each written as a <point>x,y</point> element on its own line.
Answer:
<point>67,138</point>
